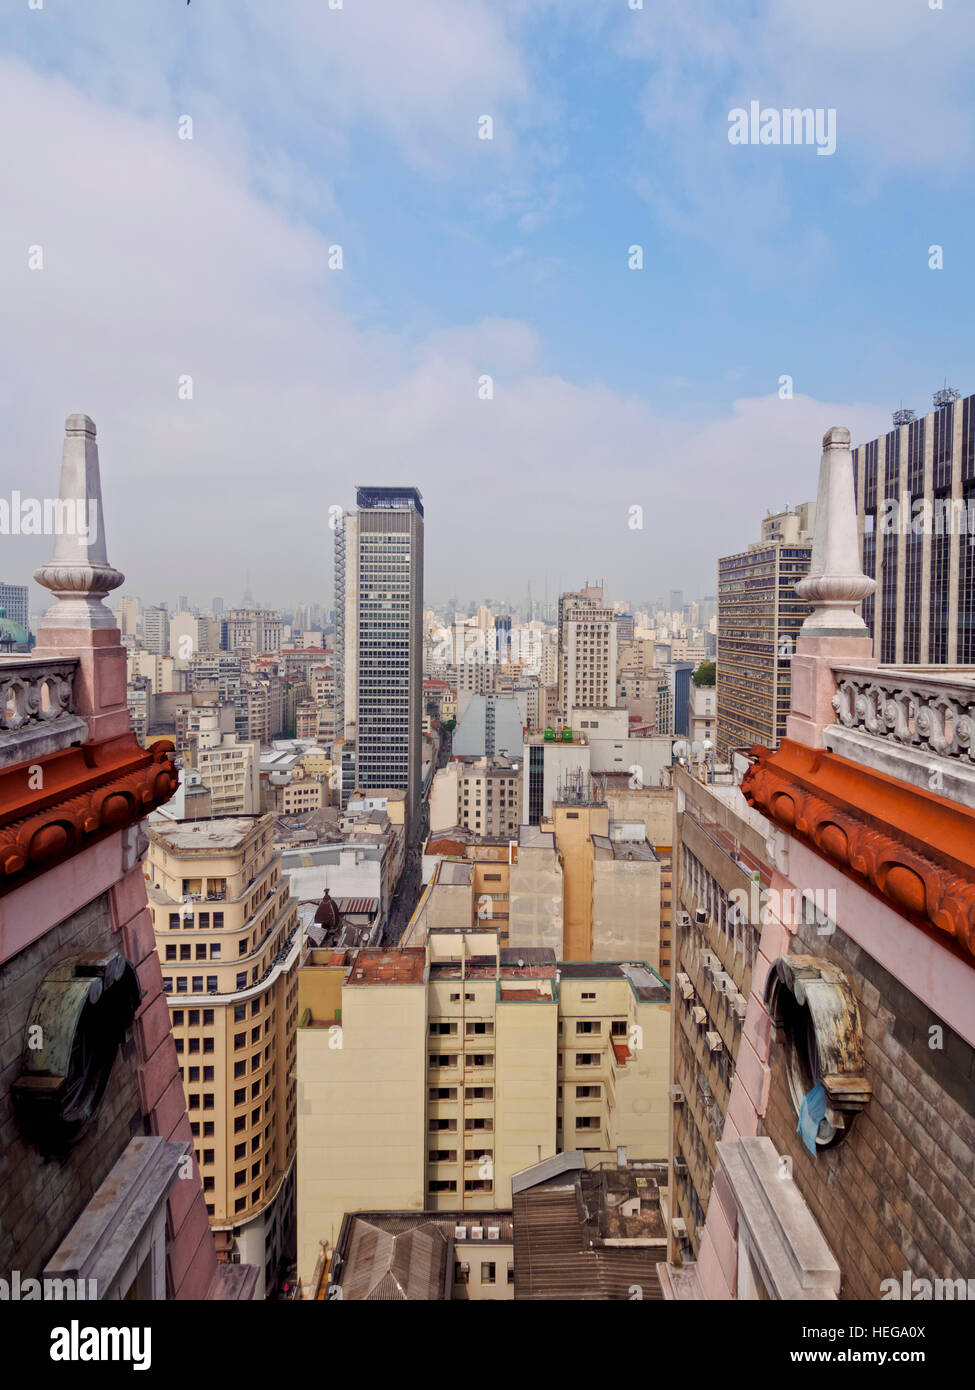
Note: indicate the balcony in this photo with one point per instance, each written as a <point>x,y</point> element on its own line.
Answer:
<point>914,723</point>
<point>37,708</point>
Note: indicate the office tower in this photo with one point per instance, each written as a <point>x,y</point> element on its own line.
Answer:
<point>14,602</point>
<point>435,1041</point>
<point>155,630</point>
<point>852,1081</point>
<point>98,1184</point>
<point>227,938</point>
<point>216,607</point>
<point>676,600</point>
<point>587,651</point>
<point>502,638</point>
<point>915,491</point>
<point>379,642</point>
<point>182,604</point>
<point>678,675</point>
<point>759,616</point>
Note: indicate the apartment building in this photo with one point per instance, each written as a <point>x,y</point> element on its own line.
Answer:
<point>379,642</point>
<point>231,768</point>
<point>915,496</point>
<point>587,647</point>
<point>453,1054</point>
<point>482,795</point>
<point>759,617</point>
<point>155,630</point>
<point>702,713</point>
<point>720,873</point>
<point>227,938</point>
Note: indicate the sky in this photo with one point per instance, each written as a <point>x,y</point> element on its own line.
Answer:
<point>487,337</point>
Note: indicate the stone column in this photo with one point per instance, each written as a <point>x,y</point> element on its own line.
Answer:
<point>834,631</point>
<point>79,575</point>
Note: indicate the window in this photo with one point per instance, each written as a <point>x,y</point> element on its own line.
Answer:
<point>197,984</point>
<point>589,995</point>
<point>587,1026</point>
<point>170,952</point>
<point>587,1059</point>
<point>487,1272</point>
<point>177,1018</point>
<point>240,1095</point>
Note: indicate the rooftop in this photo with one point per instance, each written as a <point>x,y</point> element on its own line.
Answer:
<point>371,965</point>
<point>206,836</point>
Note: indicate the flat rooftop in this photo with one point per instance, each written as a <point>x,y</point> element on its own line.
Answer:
<point>224,833</point>
<point>371,965</point>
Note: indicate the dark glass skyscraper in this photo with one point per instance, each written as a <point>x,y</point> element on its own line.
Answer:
<point>378,642</point>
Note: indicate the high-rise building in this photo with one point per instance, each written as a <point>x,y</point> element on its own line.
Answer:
<point>129,616</point>
<point>155,630</point>
<point>14,602</point>
<point>587,651</point>
<point>915,492</point>
<point>258,630</point>
<point>379,642</point>
<point>759,616</point>
<point>227,938</point>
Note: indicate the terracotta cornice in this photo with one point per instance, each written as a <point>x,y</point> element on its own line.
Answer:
<point>55,806</point>
<point>911,847</point>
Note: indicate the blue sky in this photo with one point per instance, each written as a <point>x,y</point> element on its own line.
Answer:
<point>464,256</point>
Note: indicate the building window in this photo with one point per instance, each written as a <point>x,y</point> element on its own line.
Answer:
<point>487,1272</point>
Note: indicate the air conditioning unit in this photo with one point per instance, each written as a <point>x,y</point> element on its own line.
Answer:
<point>709,960</point>
<point>677,1095</point>
<point>740,1005</point>
<point>679,1227</point>
<point>713,1041</point>
<point>477,1233</point>
<point>680,1166</point>
<point>685,986</point>
<point>723,983</point>
<point>460,1233</point>
<point>494,1232</point>
<point>699,1013</point>
<point>683,918</point>
<point>700,915</point>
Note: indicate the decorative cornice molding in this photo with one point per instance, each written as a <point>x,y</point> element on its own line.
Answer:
<point>58,805</point>
<point>924,886</point>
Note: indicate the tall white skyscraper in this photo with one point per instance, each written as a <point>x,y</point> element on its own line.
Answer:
<point>379,642</point>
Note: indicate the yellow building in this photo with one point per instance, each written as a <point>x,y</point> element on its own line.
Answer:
<point>429,1075</point>
<point>227,937</point>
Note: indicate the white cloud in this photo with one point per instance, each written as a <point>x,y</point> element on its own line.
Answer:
<point>160,261</point>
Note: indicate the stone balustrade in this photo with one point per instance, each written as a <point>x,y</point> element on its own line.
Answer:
<point>37,713</point>
<point>928,710</point>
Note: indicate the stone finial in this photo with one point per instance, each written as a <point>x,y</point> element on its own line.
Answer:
<point>78,573</point>
<point>835,583</point>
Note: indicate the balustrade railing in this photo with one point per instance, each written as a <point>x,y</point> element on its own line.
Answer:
<point>927,711</point>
